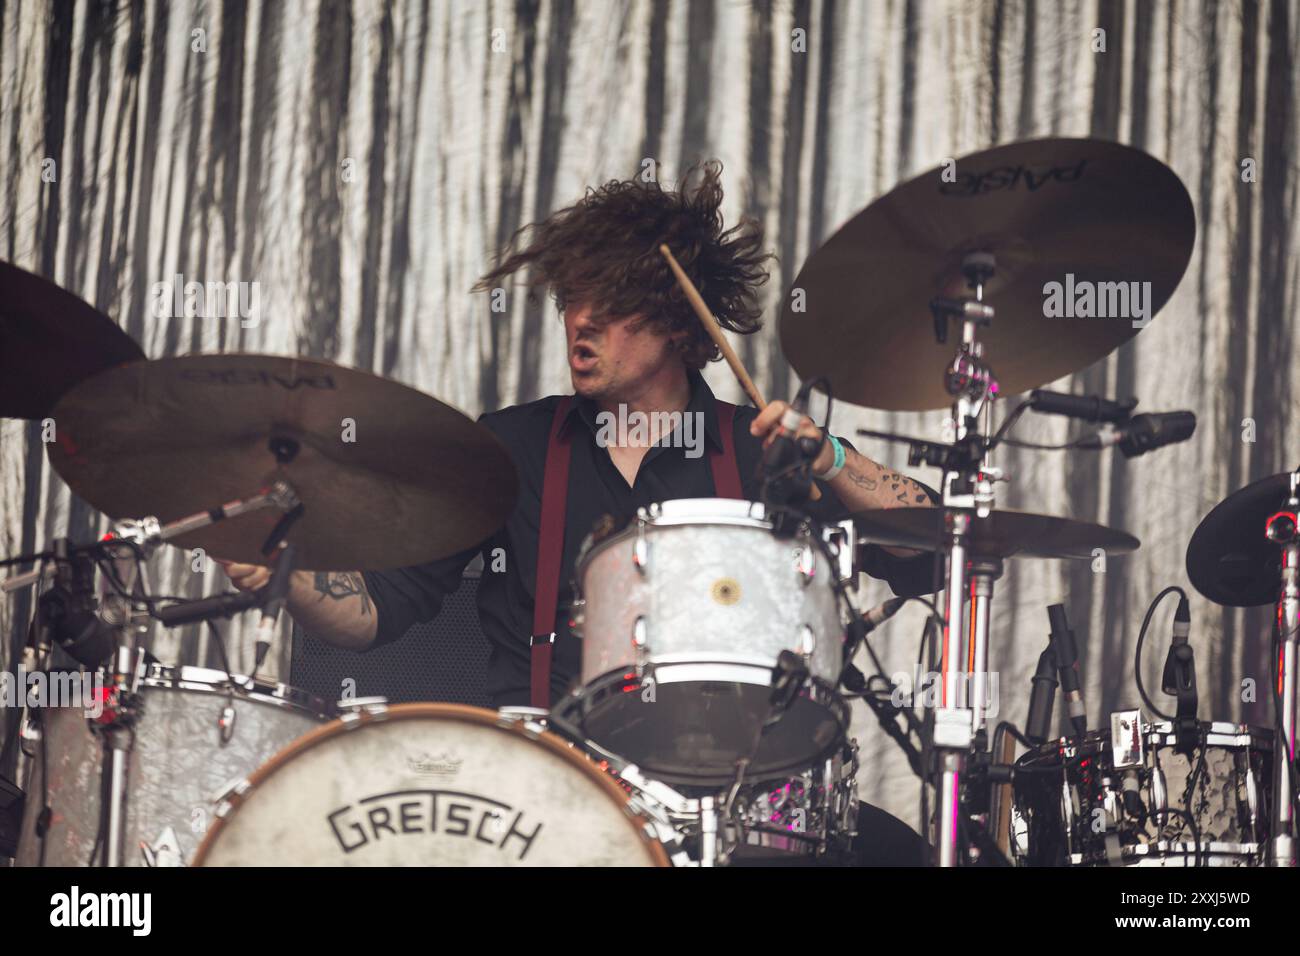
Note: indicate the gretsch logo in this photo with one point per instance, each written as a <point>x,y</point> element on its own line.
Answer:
<point>1008,178</point>
<point>443,814</point>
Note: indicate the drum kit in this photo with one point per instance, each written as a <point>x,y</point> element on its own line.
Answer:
<point>709,723</point>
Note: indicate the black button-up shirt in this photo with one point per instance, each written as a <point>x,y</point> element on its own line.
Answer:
<point>408,596</point>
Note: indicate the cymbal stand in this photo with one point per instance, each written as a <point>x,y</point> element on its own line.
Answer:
<point>967,494</point>
<point>122,708</point>
<point>1282,529</point>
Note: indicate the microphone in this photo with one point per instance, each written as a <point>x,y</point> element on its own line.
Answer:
<point>1089,408</point>
<point>1144,433</point>
<point>1042,698</point>
<point>881,613</point>
<point>69,613</point>
<point>277,589</point>
<point>1179,676</point>
<point>203,609</point>
<point>1066,653</point>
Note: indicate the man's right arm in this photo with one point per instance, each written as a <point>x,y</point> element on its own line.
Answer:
<point>333,606</point>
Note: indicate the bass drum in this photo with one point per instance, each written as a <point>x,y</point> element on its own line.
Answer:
<point>430,785</point>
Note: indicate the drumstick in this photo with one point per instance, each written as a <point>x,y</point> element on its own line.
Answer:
<point>715,332</point>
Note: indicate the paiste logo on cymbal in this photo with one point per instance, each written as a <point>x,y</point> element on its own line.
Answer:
<point>726,591</point>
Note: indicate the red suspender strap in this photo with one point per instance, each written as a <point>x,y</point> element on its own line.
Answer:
<point>550,555</point>
<point>726,473</point>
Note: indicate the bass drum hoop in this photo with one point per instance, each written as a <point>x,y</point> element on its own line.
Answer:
<point>460,712</point>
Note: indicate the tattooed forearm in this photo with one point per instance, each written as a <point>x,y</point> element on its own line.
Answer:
<point>337,585</point>
<point>878,487</point>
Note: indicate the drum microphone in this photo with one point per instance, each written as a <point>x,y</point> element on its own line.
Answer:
<point>1088,408</point>
<point>881,613</point>
<point>68,612</point>
<point>1042,699</point>
<point>1066,653</point>
<point>1143,433</point>
<point>204,609</point>
<point>273,598</point>
<point>1179,677</point>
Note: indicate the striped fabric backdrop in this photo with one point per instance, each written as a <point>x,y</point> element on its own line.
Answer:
<point>360,161</point>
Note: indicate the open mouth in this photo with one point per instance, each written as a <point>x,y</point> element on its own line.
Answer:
<point>582,358</point>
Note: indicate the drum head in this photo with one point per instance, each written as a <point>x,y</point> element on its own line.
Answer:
<point>430,785</point>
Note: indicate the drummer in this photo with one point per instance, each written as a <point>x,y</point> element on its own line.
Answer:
<point>635,348</point>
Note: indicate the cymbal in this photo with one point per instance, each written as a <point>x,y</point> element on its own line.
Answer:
<point>1003,534</point>
<point>1096,210</point>
<point>49,341</point>
<point>1229,560</point>
<point>388,475</point>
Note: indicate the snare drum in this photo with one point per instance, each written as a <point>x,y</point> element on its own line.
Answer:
<point>430,785</point>
<point>1124,797</point>
<point>814,814</point>
<point>195,734</point>
<point>682,617</point>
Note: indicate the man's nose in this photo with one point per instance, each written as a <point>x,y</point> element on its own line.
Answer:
<point>582,319</point>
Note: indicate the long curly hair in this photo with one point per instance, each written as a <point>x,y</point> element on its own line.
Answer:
<point>604,250</point>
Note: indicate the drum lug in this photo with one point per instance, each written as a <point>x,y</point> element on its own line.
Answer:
<point>1159,794</point>
<point>807,642</point>
<point>577,616</point>
<point>640,642</point>
<point>226,723</point>
<point>640,549</point>
<point>806,564</point>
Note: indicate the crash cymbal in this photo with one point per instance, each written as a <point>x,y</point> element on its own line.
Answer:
<point>1003,534</point>
<point>49,341</point>
<point>1229,560</point>
<point>388,475</point>
<point>1046,209</point>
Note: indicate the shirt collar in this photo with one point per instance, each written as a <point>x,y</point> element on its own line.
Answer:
<point>701,401</point>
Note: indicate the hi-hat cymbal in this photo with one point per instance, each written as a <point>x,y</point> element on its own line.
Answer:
<point>49,341</point>
<point>1003,534</point>
<point>1047,209</point>
<point>1229,560</point>
<point>388,475</point>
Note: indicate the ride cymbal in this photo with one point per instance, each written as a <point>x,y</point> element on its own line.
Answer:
<point>1068,211</point>
<point>388,476</point>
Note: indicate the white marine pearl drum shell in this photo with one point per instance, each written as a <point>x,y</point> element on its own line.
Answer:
<point>178,763</point>
<point>683,616</point>
<point>431,785</point>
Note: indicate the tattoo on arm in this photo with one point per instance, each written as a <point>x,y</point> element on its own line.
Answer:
<point>862,481</point>
<point>338,585</point>
<point>900,487</point>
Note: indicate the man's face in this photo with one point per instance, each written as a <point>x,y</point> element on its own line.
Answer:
<point>610,360</point>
